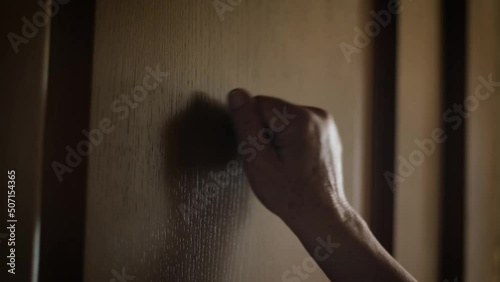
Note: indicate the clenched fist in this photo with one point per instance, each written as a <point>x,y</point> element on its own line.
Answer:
<point>292,155</point>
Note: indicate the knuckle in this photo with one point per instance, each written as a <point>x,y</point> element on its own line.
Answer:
<point>308,123</point>
<point>321,113</point>
<point>308,117</point>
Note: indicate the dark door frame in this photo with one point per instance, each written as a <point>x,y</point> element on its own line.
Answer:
<point>63,208</point>
<point>454,42</point>
<point>383,129</point>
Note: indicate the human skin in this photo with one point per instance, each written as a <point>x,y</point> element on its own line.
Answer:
<point>298,177</point>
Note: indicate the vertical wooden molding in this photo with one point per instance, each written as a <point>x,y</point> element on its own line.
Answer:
<point>453,158</point>
<point>68,105</point>
<point>23,80</point>
<point>383,134</point>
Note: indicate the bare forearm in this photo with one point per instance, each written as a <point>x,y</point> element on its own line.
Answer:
<point>344,247</point>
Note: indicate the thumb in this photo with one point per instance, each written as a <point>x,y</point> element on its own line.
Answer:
<point>248,127</point>
<point>244,114</point>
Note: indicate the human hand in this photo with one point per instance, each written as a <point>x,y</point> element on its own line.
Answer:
<point>292,156</point>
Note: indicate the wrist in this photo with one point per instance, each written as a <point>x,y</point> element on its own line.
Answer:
<point>322,218</point>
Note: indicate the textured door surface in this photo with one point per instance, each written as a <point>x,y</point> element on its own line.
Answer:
<point>162,142</point>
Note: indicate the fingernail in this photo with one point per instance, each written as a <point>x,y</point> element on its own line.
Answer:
<point>237,98</point>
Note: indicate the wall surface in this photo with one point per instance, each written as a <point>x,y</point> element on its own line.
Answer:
<point>482,216</point>
<point>161,149</point>
<point>418,115</point>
